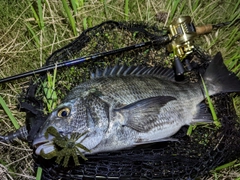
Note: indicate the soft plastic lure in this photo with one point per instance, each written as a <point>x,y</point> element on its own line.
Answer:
<point>65,147</point>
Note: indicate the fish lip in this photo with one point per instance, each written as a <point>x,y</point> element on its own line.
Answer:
<point>40,143</point>
<point>41,140</point>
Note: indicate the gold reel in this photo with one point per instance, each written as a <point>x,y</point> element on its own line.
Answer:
<point>182,32</point>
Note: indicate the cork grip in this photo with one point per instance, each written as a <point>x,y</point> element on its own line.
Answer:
<point>204,29</point>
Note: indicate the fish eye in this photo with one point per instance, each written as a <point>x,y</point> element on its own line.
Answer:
<point>64,112</point>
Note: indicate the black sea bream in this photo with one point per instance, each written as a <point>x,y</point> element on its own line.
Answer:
<point>123,107</point>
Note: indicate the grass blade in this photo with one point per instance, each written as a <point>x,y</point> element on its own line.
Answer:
<point>85,26</point>
<point>224,166</point>
<point>173,9</point>
<point>74,6</point>
<point>34,13</point>
<point>81,3</point>
<point>8,112</point>
<point>89,22</point>
<point>235,36</point>
<point>34,35</point>
<point>70,17</point>
<point>215,119</point>
<point>105,9</point>
<point>39,173</point>
<point>195,5</point>
<point>190,129</point>
<point>54,77</point>
<point>183,5</point>
<point>126,9</point>
<point>40,14</point>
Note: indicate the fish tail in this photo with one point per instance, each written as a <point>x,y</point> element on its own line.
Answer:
<point>219,79</point>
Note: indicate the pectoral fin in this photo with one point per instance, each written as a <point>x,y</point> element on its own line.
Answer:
<point>142,114</point>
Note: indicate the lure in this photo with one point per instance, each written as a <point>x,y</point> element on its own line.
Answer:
<point>65,147</point>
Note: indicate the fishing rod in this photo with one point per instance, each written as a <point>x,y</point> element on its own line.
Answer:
<point>181,33</point>
<point>161,40</point>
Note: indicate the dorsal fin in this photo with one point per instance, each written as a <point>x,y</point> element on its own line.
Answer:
<point>123,70</point>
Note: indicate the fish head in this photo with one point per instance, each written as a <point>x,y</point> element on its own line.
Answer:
<point>71,125</point>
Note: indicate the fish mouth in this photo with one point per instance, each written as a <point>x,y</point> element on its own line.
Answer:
<point>43,144</point>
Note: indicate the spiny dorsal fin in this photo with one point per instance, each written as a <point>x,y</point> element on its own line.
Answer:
<point>123,70</point>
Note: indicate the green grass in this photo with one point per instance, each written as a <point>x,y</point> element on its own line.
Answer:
<point>126,9</point>
<point>9,113</point>
<point>173,5</point>
<point>37,13</point>
<point>211,107</point>
<point>31,30</point>
<point>69,15</point>
<point>39,173</point>
<point>50,95</point>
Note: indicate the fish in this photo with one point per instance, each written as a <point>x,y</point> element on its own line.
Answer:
<point>124,107</point>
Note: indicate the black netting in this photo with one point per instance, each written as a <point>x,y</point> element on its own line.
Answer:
<point>191,157</point>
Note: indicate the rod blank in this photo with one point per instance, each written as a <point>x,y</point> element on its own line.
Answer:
<point>161,40</point>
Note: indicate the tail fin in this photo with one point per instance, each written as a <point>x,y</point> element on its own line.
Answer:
<point>219,79</point>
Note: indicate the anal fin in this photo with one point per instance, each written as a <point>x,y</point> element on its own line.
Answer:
<point>203,115</point>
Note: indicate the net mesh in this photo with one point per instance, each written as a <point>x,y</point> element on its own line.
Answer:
<point>191,157</point>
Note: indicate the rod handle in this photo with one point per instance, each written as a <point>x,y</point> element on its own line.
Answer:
<point>204,29</point>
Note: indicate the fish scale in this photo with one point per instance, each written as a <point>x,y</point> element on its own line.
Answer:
<point>122,91</point>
